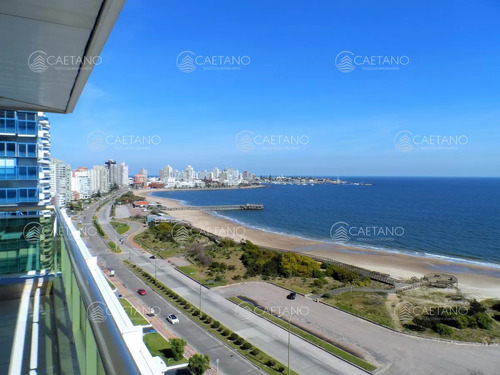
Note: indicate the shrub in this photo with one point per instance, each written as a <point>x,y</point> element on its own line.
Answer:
<point>271,363</point>
<point>208,320</point>
<point>483,320</point>
<point>246,346</point>
<point>255,351</point>
<point>233,336</point>
<point>443,329</point>
<point>196,312</point>
<point>326,295</point>
<point>238,341</point>
<point>226,332</point>
<point>215,324</point>
<point>281,369</point>
<point>177,347</point>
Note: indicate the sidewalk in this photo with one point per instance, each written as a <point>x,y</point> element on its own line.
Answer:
<point>157,323</point>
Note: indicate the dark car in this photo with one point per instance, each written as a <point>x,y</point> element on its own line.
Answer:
<point>152,257</point>
<point>291,295</point>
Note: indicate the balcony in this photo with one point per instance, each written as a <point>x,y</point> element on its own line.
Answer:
<point>83,329</point>
<point>19,195</point>
<point>19,173</point>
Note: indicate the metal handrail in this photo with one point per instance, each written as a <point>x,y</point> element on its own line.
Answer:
<point>115,355</point>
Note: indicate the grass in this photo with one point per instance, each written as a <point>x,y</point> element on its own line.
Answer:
<point>134,315</point>
<point>120,227</point>
<point>259,360</point>
<point>307,336</point>
<point>113,287</point>
<point>159,346</point>
<point>369,305</point>
<point>114,248</point>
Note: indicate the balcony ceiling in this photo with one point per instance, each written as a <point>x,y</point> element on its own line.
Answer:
<point>57,34</point>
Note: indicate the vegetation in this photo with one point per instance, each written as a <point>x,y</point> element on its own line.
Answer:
<point>134,315</point>
<point>158,346</point>
<point>120,227</point>
<point>177,347</point>
<point>198,364</point>
<point>307,336</point>
<point>98,227</point>
<point>369,305</point>
<point>258,357</point>
<point>114,248</point>
<point>128,197</point>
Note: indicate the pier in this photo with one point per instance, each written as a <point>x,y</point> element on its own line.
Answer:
<point>229,207</point>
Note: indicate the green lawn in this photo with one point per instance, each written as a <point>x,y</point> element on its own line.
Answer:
<point>158,346</point>
<point>307,336</point>
<point>113,287</point>
<point>134,315</point>
<point>120,227</point>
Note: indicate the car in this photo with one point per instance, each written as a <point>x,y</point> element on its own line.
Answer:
<point>142,292</point>
<point>291,295</point>
<point>173,319</point>
<point>152,257</point>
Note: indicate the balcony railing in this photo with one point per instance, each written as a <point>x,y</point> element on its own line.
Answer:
<point>19,173</point>
<point>19,195</point>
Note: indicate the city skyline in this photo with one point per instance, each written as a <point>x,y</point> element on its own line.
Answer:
<point>350,119</point>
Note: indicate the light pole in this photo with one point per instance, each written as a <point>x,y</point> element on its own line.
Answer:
<point>200,299</point>
<point>289,317</point>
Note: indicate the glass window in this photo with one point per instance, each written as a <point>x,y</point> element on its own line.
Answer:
<point>31,150</point>
<point>11,149</point>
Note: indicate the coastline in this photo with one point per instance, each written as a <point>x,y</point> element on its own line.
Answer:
<point>477,281</point>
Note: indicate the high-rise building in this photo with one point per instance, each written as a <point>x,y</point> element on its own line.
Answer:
<point>24,162</point>
<point>99,179</point>
<point>144,172</point>
<point>189,173</point>
<point>60,182</point>
<point>215,173</point>
<point>123,179</point>
<point>80,183</point>
<point>166,173</point>
<point>113,172</point>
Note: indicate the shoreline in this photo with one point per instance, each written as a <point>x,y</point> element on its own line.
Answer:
<point>477,281</point>
<point>152,190</point>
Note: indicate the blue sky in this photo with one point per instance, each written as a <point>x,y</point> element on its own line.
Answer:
<point>291,87</point>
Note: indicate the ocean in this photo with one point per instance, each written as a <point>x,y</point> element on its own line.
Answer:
<point>454,218</point>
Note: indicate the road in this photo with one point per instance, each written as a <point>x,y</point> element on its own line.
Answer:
<point>305,357</point>
<point>230,362</point>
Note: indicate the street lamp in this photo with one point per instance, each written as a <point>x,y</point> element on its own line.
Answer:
<point>289,317</point>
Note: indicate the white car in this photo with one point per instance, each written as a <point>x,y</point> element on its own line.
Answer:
<point>173,319</point>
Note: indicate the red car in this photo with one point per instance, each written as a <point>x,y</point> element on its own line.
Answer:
<point>142,292</point>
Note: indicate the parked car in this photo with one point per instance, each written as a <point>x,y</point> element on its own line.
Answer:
<point>152,257</point>
<point>142,292</point>
<point>112,273</point>
<point>173,319</point>
<point>291,295</point>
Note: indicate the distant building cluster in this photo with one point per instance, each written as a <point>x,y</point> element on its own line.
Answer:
<point>68,184</point>
<point>189,178</point>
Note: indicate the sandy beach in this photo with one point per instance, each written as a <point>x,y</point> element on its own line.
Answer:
<point>475,280</point>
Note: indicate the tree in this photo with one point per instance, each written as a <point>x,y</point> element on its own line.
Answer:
<point>177,346</point>
<point>198,364</point>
